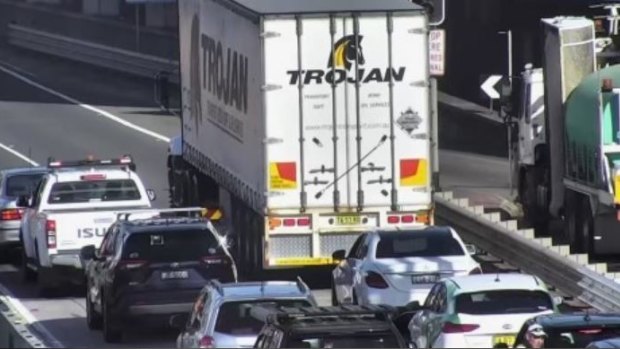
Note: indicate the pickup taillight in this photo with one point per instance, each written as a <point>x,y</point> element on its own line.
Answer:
<point>50,228</point>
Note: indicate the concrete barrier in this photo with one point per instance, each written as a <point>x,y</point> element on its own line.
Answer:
<point>14,331</point>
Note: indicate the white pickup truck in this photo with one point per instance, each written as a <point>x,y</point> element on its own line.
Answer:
<point>73,206</point>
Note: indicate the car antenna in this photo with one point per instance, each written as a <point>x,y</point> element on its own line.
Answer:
<point>587,316</point>
<point>497,277</point>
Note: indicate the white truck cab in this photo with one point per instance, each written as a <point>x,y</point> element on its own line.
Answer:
<point>72,207</point>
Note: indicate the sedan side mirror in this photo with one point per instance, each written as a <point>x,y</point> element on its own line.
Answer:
<point>339,255</point>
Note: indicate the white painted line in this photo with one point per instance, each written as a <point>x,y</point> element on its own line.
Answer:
<point>18,154</point>
<point>9,299</point>
<point>98,111</point>
<point>18,69</point>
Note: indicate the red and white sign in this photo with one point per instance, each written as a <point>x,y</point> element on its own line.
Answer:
<point>436,51</point>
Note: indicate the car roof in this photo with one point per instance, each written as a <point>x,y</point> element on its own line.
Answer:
<point>23,170</point>
<point>493,282</point>
<point>578,319</point>
<point>262,289</point>
<point>336,324</point>
<point>68,174</point>
<point>434,230</point>
<point>163,224</point>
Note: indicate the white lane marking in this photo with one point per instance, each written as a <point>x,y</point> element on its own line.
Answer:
<point>98,111</point>
<point>13,302</point>
<point>18,154</point>
<point>18,69</point>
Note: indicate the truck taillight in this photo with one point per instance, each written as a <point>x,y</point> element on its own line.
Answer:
<point>50,228</point>
<point>419,217</point>
<point>277,222</point>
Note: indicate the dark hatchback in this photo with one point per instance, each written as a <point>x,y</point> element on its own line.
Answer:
<point>151,269</point>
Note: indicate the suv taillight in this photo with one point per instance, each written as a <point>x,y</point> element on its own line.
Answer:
<point>131,264</point>
<point>375,280</point>
<point>50,228</point>
<point>206,342</point>
<point>450,327</point>
<point>11,214</point>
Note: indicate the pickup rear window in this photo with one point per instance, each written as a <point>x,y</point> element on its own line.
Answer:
<point>93,191</point>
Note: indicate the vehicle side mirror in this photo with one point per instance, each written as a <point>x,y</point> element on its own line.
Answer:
<point>151,194</point>
<point>178,321</point>
<point>161,90</point>
<point>339,255</point>
<point>23,201</point>
<point>88,253</point>
<point>415,305</point>
<point>557,300</point>
<point>471,249</point>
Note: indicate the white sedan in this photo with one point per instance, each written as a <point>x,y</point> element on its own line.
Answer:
<point>396,267</point>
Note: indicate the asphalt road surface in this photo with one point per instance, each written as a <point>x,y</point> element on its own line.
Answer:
<point>37,122</point>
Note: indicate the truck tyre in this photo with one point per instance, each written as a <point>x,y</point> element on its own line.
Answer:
<point>587,230</point>
<point>28,275</point>
<point>572,221</point>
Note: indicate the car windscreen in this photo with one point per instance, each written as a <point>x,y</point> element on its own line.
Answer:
<point>94,191</point>
<point>418,244</point>
<point>234,317</point>
<point>23,184</point>
<point>503,302</point>
<point>171,245</point>
<point>580,337</point>
<point>345,340</point>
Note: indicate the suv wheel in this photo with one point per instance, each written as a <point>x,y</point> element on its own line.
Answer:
<point>93,319</point>
<point>110,334</point>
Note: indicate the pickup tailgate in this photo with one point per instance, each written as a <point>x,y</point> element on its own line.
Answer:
<point>77,229</point>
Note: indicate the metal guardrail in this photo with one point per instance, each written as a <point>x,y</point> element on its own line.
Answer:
<point>14,331</point>
<point>91,53</point>
<point>572,274</point>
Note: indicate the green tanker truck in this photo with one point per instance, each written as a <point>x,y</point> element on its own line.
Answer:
<point>568,158</point>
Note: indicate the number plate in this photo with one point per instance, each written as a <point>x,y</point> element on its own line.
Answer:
<point>509,340</point>
<point>425,279</point>
<point>348,220</point>
<point>177,274</point>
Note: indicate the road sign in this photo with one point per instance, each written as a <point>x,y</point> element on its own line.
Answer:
<point>436,51</point>
<point>489,86</point>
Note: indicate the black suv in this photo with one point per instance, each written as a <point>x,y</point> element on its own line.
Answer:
<point>575,330</point>
<point>151,269</point>
<point>345,326</point>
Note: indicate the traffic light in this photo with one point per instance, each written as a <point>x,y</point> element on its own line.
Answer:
<point>435,9</point>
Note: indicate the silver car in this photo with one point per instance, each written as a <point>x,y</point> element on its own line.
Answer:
<point>14,183</point>
<point>221,314</point>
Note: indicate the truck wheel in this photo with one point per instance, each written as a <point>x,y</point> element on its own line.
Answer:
<point>572,221</point>
<point>28,275</point>
<point>587,230</point>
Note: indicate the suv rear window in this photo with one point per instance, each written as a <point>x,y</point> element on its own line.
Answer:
<point>345,340</point>
<point>24,184</point>
<point>418,244</point>
<point>93,191</point>
<point>171,245</point>
<point>503,302</point>
<point>234,317</point>
<point>580,337</point>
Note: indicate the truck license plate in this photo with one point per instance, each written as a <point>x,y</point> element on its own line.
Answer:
<point>177,274</point>
<point>348,220</point>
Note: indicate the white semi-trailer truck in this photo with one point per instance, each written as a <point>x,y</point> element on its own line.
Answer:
<point>307,122</point>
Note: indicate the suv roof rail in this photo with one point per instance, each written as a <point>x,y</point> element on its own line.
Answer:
<point>217,285</point>
<point>124,215</point>
<point>285,314</point>
<point>125,160</point>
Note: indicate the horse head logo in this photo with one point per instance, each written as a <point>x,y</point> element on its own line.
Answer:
<point>195,104</point>
<point>346,51</point>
